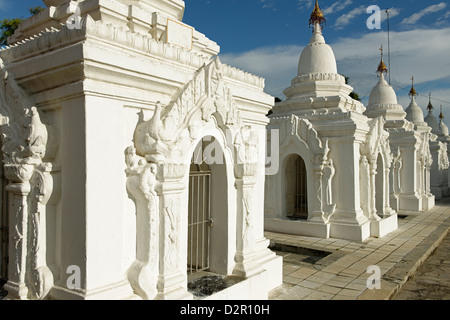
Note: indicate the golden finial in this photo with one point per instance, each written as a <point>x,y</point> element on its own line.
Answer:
<point>413,91</point>
<point>382,67</point>
<point>430,106</point>
<point>317,16</point>
<point>441,116</point>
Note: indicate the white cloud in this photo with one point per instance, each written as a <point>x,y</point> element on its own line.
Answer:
<point>422,53</point>
<point>266,3</point>
<point>393,12</point>
<point>345,19</point>
<point>417,16</point>
<point>304,4</point>
<point>337,6</point>
<point>278,65</point>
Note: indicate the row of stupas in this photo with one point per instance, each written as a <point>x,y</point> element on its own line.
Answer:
<point>347,170</point>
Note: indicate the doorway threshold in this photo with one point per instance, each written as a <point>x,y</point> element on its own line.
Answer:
<point>203,284</point>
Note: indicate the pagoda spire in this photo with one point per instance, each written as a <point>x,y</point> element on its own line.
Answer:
<point>430,106</point>
<point>382,66</point>
<point>317,18</point>
<point>413,91</point>
<point>441,115</point>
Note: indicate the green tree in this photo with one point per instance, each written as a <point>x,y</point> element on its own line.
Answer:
<point>8,26</point>
<point>353,94</point>
<point>35,10</point>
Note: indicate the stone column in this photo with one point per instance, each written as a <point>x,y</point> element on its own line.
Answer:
<point>373,216</point>
<point>395,180</point>
<point>317,212</point>
<point>246,264</point>
<point>409,198</point>
<point>172,282</point>
<point>349,221</point>
<point>40,278</point>
<point>18,190</point>
<point>143,273</point>
<point>387,192</point>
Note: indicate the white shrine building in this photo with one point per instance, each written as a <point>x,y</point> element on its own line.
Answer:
<point>335,162</point>
<point>422,158</point>
<point>439,152</point>
<point>410,148</point>
<point>110,110</point>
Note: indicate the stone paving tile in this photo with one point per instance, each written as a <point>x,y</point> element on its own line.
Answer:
<point>431,281</point>
<point>303,273</point>
<point>344,277</point>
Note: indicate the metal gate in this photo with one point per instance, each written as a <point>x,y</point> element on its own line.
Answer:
<point>296,188</point>
<point>199,220</point>
<point>4,234</point>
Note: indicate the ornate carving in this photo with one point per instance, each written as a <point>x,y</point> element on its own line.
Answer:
<point>40,278</point>
<point>171,231</point>
<point>24,136</point>
<point>328,173</point>
<point>323,168</point>
<point>364,170</point>
<point>397,165</point>
<point>443,156</point>
<point>247,234</point>
<point>375,145</point>
<point>204,96</point>
<point>24,139</point>
<point>141,185</point>
<point>245,144</point>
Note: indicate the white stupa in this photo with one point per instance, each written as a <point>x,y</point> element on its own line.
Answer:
<point>442,126</point>
<point>383,99</point>
<point>414,113</point>
<point>431,120</point>
<point>321,189</point>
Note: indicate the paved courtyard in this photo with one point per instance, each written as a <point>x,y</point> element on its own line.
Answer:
<point>432,280</point>
<point>331,269</point>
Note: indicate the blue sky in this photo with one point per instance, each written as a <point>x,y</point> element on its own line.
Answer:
<point>266,37</point>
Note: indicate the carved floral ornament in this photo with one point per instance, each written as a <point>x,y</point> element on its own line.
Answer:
<point>24,143</point>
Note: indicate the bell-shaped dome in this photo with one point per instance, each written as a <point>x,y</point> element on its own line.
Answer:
<point>442,126</point>
<point>382,93</point>
<point>432,122</point>
<point>444,129</point>
<point>414,113</point>
<point>317,57</point>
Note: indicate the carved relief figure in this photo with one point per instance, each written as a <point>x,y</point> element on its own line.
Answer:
<point>328,174</point>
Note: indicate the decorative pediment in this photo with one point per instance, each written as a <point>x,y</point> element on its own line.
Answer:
<point>377,141</point>
<point>304,130</point>
<point>205,97</point>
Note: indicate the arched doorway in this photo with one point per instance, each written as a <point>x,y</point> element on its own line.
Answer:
<point>379,187</point>
<point>207,247</point>
<point>199,217</point>
<point>296,188</point>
